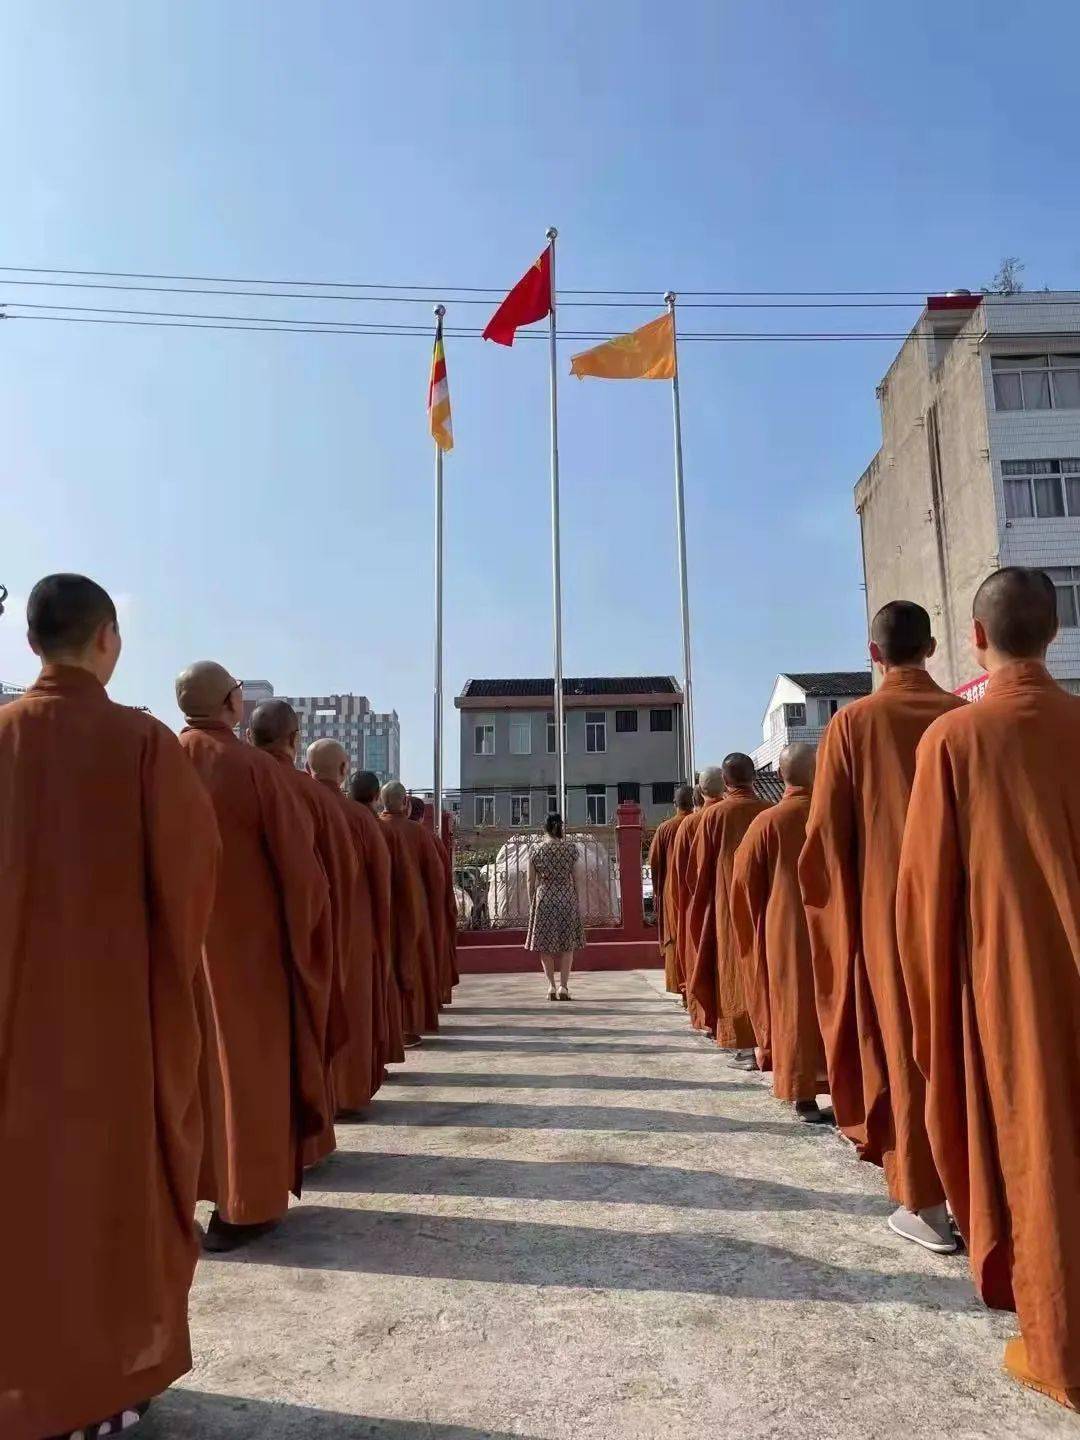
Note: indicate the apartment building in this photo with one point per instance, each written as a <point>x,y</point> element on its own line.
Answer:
<point>979,467</point>
<point>801,705</point>
<point>371,739</point>
<point>623,742</point>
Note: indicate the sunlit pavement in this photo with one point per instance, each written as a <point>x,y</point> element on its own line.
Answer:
<point>577,1221</point>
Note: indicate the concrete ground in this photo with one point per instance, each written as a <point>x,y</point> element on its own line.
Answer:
<point>577,1221</point>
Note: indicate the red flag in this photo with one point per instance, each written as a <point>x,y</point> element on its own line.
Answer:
<point>529,300</point>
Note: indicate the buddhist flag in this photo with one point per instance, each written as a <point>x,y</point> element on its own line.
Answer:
<point>645,354</point>
<point>529,300</point>
<point>438,395</point>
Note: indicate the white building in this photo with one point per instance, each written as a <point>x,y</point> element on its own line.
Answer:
<point>979,466</point>
<point>371,739</point>
<point>800,707</point>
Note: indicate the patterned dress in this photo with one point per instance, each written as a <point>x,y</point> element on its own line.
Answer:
<point>554,918</point>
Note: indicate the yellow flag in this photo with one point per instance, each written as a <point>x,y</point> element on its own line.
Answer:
<point>645,354</point>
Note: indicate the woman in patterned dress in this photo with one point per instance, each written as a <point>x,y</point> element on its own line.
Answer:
<point>555,928</point>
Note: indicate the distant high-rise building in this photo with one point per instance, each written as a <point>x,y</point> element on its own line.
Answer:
<point>372,740</point>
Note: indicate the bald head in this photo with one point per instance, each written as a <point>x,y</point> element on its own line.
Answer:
<point>684,799</point>
<point>738,770</point>
<point>900,634</point>
<point>711,782</point>
<point>327,760</point>
<point>394,796</point>
<point>796,763</point>
<point>1015,613</point>
<point>206,691</point>
<point>364,787</point>
<point>274,726</point>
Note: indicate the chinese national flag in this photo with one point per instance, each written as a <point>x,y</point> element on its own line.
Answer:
<point>529,300</point>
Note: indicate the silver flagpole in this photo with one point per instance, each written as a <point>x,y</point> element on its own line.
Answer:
<point>680,522</point>
<point>440,311</point>
<point>556,558</point>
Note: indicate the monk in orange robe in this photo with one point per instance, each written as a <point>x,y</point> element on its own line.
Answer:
<point>442,908</point>
<point>414,947</point>
<point>267,972</point>
<point>660,868</point>
<point>715,989</point>
<point>275,729</point>
<point>988,912</point>
<point>848,870</point>
<point>358,1066</point>
<point>681,891</point>
<point>364,788</point>
<point>774,943</point>
<point>108,852</point>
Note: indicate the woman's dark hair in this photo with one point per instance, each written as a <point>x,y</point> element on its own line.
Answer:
<point>553,826</point>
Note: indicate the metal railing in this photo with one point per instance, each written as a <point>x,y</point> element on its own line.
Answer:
<point>491,877</point>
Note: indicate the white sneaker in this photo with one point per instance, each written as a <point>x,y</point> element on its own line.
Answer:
<point>929,1228</point>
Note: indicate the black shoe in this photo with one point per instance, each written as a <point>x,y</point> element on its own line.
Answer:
<point>221,1237</point>
<point>810,1113</point>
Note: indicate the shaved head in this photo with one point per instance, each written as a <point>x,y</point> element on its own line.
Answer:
<point>1016,610</point>
<point>796,763</point>
<point>738,769</point>
<point>711,782</point>
<point>364,787</point>
<point>394,796</point>
<point>64,613</point>
<point>327,760</point>
<point>901,633</point>
<point>684,798</point>
<point>274,722</point>
<point>416,808</point>
<point>203,690</point>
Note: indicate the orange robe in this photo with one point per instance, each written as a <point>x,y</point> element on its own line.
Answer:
<point>681,892</point>
<point>989,924</point>
<point>715,988</point>
<point>774,946</point>
<point>413,944</point>
<point>357,1069</point>
<point>268,980</point>
<point>660,868</point>
<point>848,870</point>
<point>108,851</point>
<point>434,870</point>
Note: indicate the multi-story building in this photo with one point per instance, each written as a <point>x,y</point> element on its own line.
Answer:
<point>623,742</point>
<point>979,466</point>
<point>372,739</point>
<point>9,692</point>
<point>800,707</point>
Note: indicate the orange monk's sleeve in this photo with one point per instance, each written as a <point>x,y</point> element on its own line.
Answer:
<point>701,919</point>
<point>749,902</point>
<point>377,863</point>
<point>182,852</point>
<point>828,878</point>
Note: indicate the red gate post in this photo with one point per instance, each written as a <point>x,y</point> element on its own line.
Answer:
<point>628,826</point>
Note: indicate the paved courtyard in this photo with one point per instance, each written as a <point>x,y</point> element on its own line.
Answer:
<point>576,1221</point>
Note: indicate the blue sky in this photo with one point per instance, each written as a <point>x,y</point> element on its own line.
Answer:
<point>266,499</point>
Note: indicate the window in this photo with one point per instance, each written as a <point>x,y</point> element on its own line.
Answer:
<point>1041,489</point>
<point>1066,580</point>
<point>484,737</point>
<point>552,800</point>
<point>483,811</point>
<point>663,792</point>
<point>1036,382</point>
<point>520,809</point>
<point>625,722</point>
<point>795,714</point>
<point>629,790</point>
<point>595,733</point>
<point>596,804</point>
<point>551,733</point>
<point>826,710</point>
<point>660,720</point>
<point>521,735</point>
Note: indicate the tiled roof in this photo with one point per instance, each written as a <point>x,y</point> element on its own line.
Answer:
<point>826,683</point>
<point>768,785</point>
<point>589,685</point>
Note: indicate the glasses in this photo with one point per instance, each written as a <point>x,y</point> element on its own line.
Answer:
<point>236,685</point>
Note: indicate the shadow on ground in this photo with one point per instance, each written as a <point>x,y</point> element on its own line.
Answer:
<point>564,1028</point>
<point>194,1415</point>
<point>516,1252</point>
<point>494,1115</point>
<point>360,1172</point>
<point>516,1080</point>
<point>464,1045</point>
